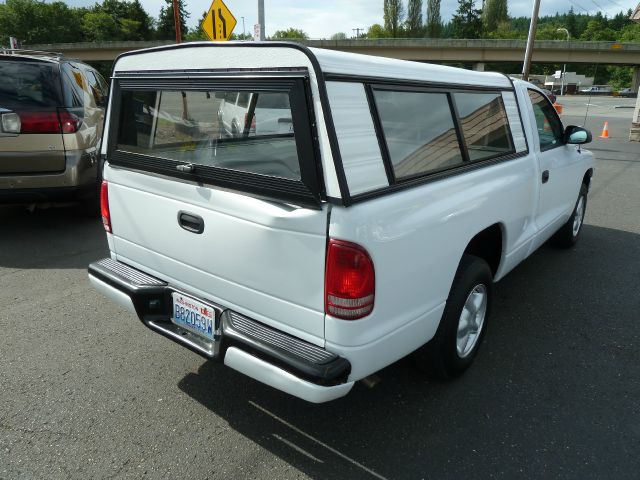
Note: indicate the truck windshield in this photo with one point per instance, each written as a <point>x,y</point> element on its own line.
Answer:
<point>248,131</point>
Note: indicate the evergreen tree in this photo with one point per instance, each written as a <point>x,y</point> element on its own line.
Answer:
<point>393,15</point>
<point>570,22</point>
<point>493,14</point>
<point>414,18</point>
<point>434,21</point>
<point>466,22</point>
<point>166,25</point>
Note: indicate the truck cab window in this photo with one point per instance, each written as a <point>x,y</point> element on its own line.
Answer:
<point>547,121</point>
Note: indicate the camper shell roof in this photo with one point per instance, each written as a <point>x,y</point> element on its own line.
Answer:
<point>196,56</point>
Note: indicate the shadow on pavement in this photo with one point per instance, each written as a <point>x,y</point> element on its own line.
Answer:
<point>52,238</point>
<point>553,392</point>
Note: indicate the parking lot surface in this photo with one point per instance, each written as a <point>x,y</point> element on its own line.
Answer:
<point>89,392</point>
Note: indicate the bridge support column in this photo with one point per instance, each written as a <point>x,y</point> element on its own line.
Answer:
<point>634,133</point>
<point>478,67</point>
<point>635,81</point>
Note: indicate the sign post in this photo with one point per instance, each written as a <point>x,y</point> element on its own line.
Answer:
<point>219,22</point>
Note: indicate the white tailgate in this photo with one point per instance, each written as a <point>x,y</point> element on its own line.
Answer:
<point>263,259</point>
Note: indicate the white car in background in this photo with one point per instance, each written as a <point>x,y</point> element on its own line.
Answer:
<point>270,115</point>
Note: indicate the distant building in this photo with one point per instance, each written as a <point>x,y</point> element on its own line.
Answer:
<point>572,82</point>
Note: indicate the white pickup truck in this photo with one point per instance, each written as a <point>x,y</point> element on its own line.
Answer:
<point>372,227</point>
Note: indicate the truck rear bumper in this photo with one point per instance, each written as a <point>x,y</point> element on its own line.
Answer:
<point>260,352</point>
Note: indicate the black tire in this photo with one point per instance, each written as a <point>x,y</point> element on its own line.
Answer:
<point>566,236</point>
<point>440,357</point>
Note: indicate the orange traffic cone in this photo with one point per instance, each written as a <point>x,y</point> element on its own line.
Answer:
<point>605,130</point>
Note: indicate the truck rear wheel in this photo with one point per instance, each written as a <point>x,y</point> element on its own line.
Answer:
<point>464,321</point>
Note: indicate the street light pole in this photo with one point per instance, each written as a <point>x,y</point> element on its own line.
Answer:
<point>244,34</point>
<point>564,69</point>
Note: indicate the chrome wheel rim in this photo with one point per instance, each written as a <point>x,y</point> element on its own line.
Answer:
<point>471,320</point>
<point>577,217</point>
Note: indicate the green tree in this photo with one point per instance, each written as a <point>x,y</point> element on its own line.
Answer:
<point>571,23</point>
<point>198,34</point>
<point>339,36</point>
<point>598,31</point>
<point>32,21</point>
<point>434,21</point>
<point>466,22</point>
<point>393,16</point>
<point>494,13</point>
<point>166,29</point>
<point>99,27</point>
<point>290,34</point>
<point>414,18</point>
<point>377,31</point>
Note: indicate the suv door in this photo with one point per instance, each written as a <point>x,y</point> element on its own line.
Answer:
<point>559,165</point>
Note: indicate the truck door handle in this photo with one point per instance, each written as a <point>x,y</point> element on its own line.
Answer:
<point>545,176</point>
<point>190,222</point>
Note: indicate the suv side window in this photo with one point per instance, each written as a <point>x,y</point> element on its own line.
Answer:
<point>419,130</point>
<point>96,89</point>
<point>547,121</point>
<point>72,85</point>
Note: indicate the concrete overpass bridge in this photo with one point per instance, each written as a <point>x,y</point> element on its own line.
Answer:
<point>476,52</point>
<point>419,49</point>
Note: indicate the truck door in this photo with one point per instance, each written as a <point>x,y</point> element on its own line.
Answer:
<point>558,167</point>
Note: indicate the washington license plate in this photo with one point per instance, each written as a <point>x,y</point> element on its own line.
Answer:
<point>193,315</point>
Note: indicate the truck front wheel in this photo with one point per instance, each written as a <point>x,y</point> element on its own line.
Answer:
<point>567,235</point>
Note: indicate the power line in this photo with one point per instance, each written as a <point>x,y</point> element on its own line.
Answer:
<point>578,5</point>
<point>596,4</point>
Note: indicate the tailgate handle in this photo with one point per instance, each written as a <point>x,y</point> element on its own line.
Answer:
<point>190,222</point>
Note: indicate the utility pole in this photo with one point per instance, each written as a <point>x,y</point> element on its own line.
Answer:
<point>243,30</point>
<point>176,19</point>
<point>358,30</point>
<point>526,67</point>
<point>261,18</point>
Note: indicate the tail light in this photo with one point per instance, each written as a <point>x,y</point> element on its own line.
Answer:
<point>349,286</point>
<point>69,122</point>
<point>104,206</point>
<point>61,121</point>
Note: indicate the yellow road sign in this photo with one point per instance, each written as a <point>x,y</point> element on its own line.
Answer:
<point>219,22</point>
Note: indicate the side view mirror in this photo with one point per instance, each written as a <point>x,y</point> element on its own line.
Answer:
<point>577,135</point>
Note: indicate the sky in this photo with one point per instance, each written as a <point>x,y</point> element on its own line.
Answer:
<point>323,18</point>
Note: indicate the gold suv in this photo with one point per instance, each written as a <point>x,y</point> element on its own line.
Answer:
<point>51,120</point>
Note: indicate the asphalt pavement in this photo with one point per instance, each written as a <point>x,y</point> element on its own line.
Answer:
<point>88,392</point>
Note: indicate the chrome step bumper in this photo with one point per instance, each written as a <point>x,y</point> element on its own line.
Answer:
<point>241,342</point>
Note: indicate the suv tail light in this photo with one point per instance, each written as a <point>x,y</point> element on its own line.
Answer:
<point>104,206</point>
<point>69,122</point>
<point>61,121</point>
<point>349,283</point>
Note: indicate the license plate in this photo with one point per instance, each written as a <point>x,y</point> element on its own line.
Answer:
<point>193,315</point>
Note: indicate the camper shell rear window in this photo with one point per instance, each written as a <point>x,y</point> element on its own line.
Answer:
<point>252,135</point>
